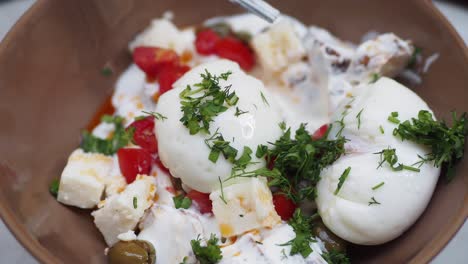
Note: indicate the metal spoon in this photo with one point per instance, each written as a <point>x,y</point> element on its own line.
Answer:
<point>259,8</point>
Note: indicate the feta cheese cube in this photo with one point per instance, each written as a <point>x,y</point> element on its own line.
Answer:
<point>82,180</point>
<point>175,39</point>
<point>249,205</point>
<point>122,212</point>
<point>115,182</point>
<point>278,47</point>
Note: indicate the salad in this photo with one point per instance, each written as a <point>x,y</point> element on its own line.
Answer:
<point>239,141</point>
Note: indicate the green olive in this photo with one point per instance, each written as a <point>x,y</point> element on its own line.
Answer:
<point>132,252</point>
<point>331,241</point>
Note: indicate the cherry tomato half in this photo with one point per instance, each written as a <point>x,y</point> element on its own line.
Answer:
<point>284,206</point>
<point>152,60</point>
<point>205,42</point>
<point>133,161</point>
<point>320,132</point>
<point>169,75</point>
<point>143,134</point>
<point>236,50</point>
<point>202,201</point>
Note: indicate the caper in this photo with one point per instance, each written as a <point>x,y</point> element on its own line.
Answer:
<point>132,252</point>
<point>331,241</point>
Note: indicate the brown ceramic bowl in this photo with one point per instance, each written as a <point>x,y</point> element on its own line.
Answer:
<point>50,86</point>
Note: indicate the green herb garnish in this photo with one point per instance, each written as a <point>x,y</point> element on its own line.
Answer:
<point>121,137</point>
<point>240,112</point>
<point>299,161</point>
<point>106,71</point>
<point>54,187</point>
<point>218,146</point>
<point>412,61</point>
<point>382,131</point>
<point>336,257</point>
<point>156,115</point>
<point>373,201</point>
<point>447,143</point>
<point>358,116</point>
<point>135,202</point>
<point>342,179</point>
<point>209,254</point>
<point>302,226</point>
<point>265,101</point>
<point>378,186</point>
<point>199,111</point>
<point>393,117</point>
<point>389,155</point>
<point>222,191</point>
<point>182,201</point>
<point>374,78</point>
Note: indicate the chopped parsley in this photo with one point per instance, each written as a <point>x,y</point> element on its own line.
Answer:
<point>375,77</point>
<point>301,225</point>
<point>373,201</point>
<point>298,162</point>
<point>240,112</point>
<point>342,179</point>
<point>106,71</point>
<point>341,123</point>
<point>382,131</point>
<point>389,155</point>
<point>181,201</point>
<point>199,111</point>
<point>222,191</point>
<point>265,101</point>
<point>378,186</point>
<point>135,202</point>
<point>336,257</point>
<point>184,260</point>
<point>218,146</point>
<point>120,138</point>
<point>358,116</point>
<point>54,187</point>
<point>447,143</point>
<point>393,117</point>
<point>416,53</point>
<point>156,115</point>
<point>209,254</point>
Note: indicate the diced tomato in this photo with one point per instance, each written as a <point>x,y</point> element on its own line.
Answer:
<point>133,161</point>
<point>158,162</point>
<point>169,75</point>
<point>320,132</point>
<point>202,200</point>
<point>205,42</point>
<point>143,134</point>
<point>236,50</point>
<point>152,60</point>
<point>284,206</point>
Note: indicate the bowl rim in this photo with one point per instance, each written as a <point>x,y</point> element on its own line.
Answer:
<point>41,254</point>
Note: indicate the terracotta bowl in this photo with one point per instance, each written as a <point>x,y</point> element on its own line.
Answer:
<point>50,86</point>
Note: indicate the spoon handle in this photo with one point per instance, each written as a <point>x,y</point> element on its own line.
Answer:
<point>259,8</point>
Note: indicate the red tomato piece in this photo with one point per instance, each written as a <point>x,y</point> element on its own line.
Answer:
<point>284,206</point>
<point>152,60</point>
<point>205,42</point>
<point>320,132</point>
<point>202,200</point>
<point>143,134</point>
<point>236,50</point>
<point>133,161</point>
<point>169,75</point>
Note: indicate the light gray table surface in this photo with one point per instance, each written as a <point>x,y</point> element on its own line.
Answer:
<point>456,252</point>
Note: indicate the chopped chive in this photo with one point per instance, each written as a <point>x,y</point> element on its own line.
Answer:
<point>342,179</point>
<point>373,201</point>
<point>135,202</point>
<point>358,116</point>
<point>381,130</point>
<point>378,186</point>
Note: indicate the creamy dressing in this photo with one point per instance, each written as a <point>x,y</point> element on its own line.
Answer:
<point>312,80</point>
